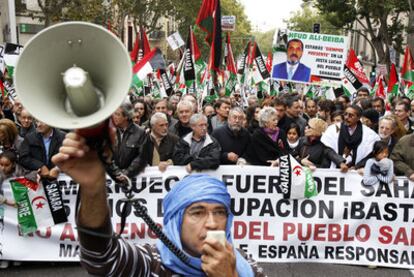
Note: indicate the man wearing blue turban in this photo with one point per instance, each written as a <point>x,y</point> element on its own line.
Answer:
<point>195,205</point>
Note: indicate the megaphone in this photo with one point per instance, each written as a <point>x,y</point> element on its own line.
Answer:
<point>73,75</point>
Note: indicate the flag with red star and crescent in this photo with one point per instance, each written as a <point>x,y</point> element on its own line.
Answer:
<point>295,181</point>
<point>38,205</point>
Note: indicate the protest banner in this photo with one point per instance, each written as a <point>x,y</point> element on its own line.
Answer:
<point>310,58</point>
<point>346,223</point>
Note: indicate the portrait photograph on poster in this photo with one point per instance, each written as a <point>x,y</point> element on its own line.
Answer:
<point>309,57</point>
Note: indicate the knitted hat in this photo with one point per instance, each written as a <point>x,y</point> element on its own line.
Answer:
<point>372,115</point>
<point>318,125</point>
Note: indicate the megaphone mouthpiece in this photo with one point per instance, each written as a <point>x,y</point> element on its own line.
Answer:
<point>81,92</point>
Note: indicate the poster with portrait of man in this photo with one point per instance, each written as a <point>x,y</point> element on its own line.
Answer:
<point>309,58</point>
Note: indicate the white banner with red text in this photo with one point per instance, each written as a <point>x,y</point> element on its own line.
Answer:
<point>347,223</point>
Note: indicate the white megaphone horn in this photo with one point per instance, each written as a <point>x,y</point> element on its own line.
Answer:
<point>73,75</point>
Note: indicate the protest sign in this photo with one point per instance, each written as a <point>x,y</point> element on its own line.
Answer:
<point>311,58</point>
<point>346,223</point>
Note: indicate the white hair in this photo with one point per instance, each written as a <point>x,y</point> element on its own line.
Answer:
<point>197,117</point>
<point>157,116</point>
<point>265,114</point>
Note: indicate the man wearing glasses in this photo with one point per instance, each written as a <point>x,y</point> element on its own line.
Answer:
<point>351,139</point>
<point>195,205</point>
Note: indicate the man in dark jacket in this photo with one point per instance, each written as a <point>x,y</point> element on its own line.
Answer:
<point>129,141</point>
<point>38,147</point>
<point>233,138</point>
<point>185,110</point>
<point>159,144</point>
<point>197,150</point>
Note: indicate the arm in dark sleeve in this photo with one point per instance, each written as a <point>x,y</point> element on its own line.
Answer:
<point>181,154</point>
<point>210,158</point>
<point>333,156</point>
<point>25,158</point>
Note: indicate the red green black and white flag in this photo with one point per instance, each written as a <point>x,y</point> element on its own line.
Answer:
<point>39,205</point>
<point>295,181</point>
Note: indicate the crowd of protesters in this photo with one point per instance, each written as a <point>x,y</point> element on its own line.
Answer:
<point>370,135</point>
<point>180,130</point>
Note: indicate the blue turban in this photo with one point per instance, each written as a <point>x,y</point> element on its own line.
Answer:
<point>194,188</point>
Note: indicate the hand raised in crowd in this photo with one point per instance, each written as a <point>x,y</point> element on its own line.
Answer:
<point>233,157</point>
<point>162,166</point>
<point>218,260</point>
<point>273,163</point>
<point>54,173</point>
<point>188,168</point>
<point>343,168</point>
<point>412,177</point>
<point>44,172</point>
<point>76,159</point>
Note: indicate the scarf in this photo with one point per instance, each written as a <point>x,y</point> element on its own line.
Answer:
<point>351,142</point>
<point>194,188</point>
<point>273,134</point>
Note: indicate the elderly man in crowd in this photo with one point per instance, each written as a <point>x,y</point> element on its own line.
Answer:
<point>26,123</point>
<point>129,139</point>
<point>351,139</point>
<point>159,144</point>
<point>233,137</point>
<point>185,110</point>
<point>38,147</point>
<point>197,150</point>
<point>386,129</point>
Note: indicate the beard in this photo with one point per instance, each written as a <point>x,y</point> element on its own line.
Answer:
<point>235,129</point>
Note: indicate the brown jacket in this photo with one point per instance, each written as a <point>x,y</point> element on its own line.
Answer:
<point>403,156</point>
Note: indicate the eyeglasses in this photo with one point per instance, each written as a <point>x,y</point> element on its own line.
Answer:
<point>201,214</point>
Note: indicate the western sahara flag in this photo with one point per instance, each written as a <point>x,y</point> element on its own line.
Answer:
<point>150,63</point>
<point>260,63</point>
<point>295,180</point>
<point>39,205</point>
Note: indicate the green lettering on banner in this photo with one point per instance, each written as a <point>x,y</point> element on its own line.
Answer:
<point>25,216</point>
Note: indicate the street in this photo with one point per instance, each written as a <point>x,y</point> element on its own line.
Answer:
<point>31,269</point>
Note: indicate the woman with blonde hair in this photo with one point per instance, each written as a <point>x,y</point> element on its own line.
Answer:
<point>9,136</point>
<point>313,153</point>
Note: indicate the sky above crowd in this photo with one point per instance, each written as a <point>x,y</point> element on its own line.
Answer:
<point>269,14</point>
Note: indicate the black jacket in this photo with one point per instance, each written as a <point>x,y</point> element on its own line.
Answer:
<point>319,154</point>
<point>208,158</point>
<point>127,151</point>
<point>165,149</point>
<point>33,152</point>
<point>262,148</point>
<point>229,142</point>
<point>179,130</point>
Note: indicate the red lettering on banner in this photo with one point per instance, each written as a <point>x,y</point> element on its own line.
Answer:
<point>47,233</point>
<point>319,231</point>
<point>254,227</point>
<point>325,232</point>
<point>334,233</point>
<point>386,234</point>
<point>401,236</point>
<point>67,232</point>
<point>266,235</point>
<point>240,229</point>
<point>255,230</point>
